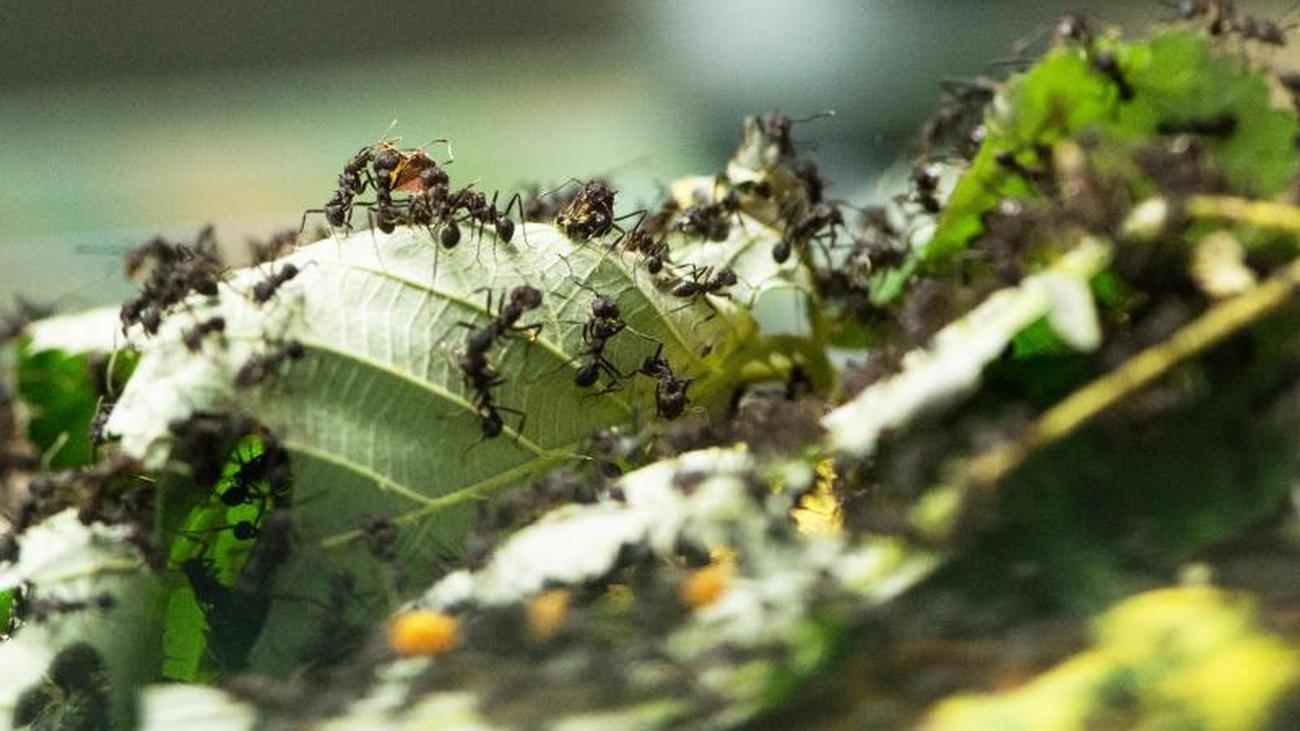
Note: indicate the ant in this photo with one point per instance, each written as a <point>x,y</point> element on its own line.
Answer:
<point>383,168</point>
<point>710,220</point>
<point>960,117</point>
<point>1106,63</point>
<point>487,214</point>
<point>704,280</point>
<point>264,290</point>
<point>1220,126</point>
<point>1268,32</point>
<point>670,391</point>
<point>1074,28</point>
<point>1221,14</point>
<point>805,229</point>
<point>647,237</point>
<point>193,337</point>
<point>268,250</point>
<point>543,207</point>
<point>605,322</point>
<point>352,182</point>
<point>590,214</point>
<point>925,188</point>
<point>381,535</point>
<point>259,367</point>
<point>479,374</point>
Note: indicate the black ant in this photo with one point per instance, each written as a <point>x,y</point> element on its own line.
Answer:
<point>1074,28</point>
<point>259,367</point>
<point>543,207</point>
<point>270,466</point>
<point>479,374</point>
<point>384,167</point>
<point>487,214</point>
<point>1107,64</point>
<point>960,117</point>
<point>1268,32</point>
<point>925,188</point>
<point>704,280</point>
<point>193,337</point>
<point>670,391</point>
<point>207,437</point>
<point>1220,126</point>
<point>352,182</point>
<point>264,290</point>
<point>277,245</point>
<point>381,535</point>
<point>711,220</point>
<point>605,322</point>
<point>647,237</point>
<point>806,228</point>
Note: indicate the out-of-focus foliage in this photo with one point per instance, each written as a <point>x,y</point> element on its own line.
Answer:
<point>1193,657</point>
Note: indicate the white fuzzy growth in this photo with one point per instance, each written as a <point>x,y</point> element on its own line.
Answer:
<point>952,364</point>
<point>577,543</point>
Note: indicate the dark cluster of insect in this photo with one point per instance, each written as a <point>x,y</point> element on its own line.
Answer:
<point>1221,18</point>
<point>410,188</point>
<point>106,491</point>
<point>169,273</point>
<point>74,694</point>
<point>240,466</point>
<point>172,274</point>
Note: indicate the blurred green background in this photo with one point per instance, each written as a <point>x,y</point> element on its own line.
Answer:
<point>119,120</point>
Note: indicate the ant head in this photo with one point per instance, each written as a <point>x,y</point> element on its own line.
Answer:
<point>526,297</point>
<point>604,306</point>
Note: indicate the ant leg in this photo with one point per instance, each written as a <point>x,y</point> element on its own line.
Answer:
<point>517,202</point>
<point>303,226</point>
<point>523,418</point>
<point>437,251</point>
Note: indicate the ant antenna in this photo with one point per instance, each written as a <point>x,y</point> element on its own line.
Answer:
<point>814,117</point>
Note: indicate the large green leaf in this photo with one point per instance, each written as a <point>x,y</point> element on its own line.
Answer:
<point>377,416</point>
<point>1177,77</point>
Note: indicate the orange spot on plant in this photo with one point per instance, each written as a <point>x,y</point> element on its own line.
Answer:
<point>705,586</point>
<point>547,613</point>
<point>423,632</point>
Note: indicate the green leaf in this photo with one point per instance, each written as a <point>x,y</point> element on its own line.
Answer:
<point>377,417</point>
<point>1176,76</point>
<point>57,377</point>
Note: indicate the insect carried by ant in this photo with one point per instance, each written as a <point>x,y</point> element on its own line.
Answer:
<point>591,214</point>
